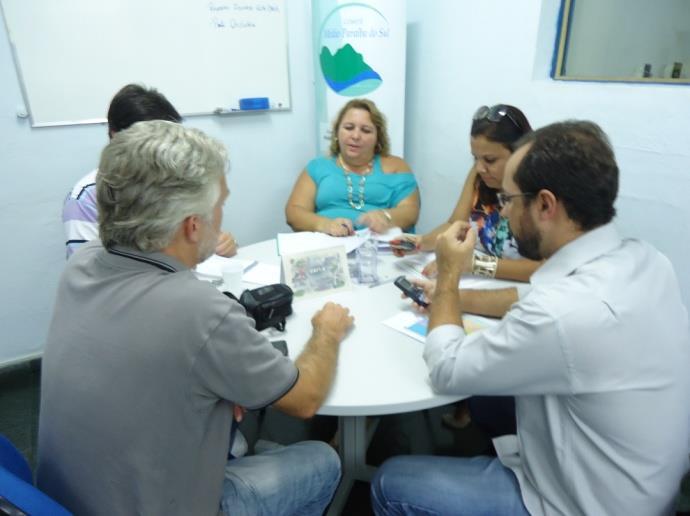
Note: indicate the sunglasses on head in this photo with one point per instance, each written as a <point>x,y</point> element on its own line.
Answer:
<point>494,114</point>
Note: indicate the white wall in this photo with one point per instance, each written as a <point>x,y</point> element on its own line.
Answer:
<point>39,166</point>
<point>461,54</point>
<point>464,53</point>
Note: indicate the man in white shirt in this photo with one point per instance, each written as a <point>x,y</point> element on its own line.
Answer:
<point>597,354</point>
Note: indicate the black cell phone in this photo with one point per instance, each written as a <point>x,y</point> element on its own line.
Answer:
<point>415,293</point>
<point>281,346</point>
<point>403,245</point>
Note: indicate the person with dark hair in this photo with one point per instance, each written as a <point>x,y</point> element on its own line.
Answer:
<point>359,185</point>
<point>133,103</point>
<point>493,134</point>
<point>602,334</point>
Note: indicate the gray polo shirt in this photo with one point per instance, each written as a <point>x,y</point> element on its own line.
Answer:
<point>141,368</point>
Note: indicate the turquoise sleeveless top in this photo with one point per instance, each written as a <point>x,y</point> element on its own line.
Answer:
<point>380,190</point>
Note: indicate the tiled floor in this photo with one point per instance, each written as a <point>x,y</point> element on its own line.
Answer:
<point>399,434</point>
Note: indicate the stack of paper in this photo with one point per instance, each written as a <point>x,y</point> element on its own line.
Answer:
<point>262,274</point>
<point>307,241</point>
<point>212,268</point>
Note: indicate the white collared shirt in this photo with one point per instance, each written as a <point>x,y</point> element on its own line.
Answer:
<point>598,356</point>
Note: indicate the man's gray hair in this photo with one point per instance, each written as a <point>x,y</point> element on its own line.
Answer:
<point>151,177</point>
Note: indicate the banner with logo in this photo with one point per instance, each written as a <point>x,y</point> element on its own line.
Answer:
<point>359,51</point>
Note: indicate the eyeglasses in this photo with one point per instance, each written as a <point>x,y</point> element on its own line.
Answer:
<point>504,198</point>
<point>494,114</point>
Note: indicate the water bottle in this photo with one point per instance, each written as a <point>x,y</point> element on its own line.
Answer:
<point>367,258</point>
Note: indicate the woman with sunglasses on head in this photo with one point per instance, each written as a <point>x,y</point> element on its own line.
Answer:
<point>494,131</point>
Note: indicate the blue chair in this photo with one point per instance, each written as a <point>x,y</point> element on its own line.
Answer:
<point>16,485</point>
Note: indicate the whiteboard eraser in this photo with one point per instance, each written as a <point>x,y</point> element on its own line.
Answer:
<point>254,103</point>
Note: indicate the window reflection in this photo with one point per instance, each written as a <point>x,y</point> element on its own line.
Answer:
<point>628,40</point>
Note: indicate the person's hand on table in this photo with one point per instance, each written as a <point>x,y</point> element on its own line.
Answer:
<point>226,246</point>
<point>377,221</point>
<point>399,251</point>
<point>333,320</point>
<point>339,227</point>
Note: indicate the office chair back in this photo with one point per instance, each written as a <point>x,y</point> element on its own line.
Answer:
<point>16,487</point>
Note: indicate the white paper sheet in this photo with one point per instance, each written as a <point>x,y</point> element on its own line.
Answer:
<point>414,324</point>
<point>262,274</point>
<point>212,268</point>
<point>307,241</point>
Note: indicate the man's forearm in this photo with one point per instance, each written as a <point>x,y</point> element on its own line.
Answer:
<point>445,305</point>
<point>491,303</point>
<point>316,365</point>
<point>318,360</point>
<point>449,303</point>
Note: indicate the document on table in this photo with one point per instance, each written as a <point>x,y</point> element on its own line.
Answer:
<point>382,239</point>
<point>317,272</point>
<point>262,274</point>
<point>415,325</point>
<point>211,269</point>
<point>307,241</point>
<point>412,265</point>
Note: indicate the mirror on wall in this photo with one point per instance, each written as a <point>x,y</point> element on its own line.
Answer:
<point>624,40</point>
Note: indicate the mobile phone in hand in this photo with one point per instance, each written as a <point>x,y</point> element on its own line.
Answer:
<point>415,293</point>
<point>403,245</point>
<point>281,346</point>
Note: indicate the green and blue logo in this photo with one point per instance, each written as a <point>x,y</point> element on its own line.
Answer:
<point>346,35</point>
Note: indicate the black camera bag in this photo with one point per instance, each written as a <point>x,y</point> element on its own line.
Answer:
<point>268,305</point>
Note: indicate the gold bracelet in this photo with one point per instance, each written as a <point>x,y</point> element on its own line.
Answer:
<point>484,266</point>
<point>388,216</point>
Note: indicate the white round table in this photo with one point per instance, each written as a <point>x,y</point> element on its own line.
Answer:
<point>380,370</point>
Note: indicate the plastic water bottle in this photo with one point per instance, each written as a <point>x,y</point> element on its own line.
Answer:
<point>367,261</point>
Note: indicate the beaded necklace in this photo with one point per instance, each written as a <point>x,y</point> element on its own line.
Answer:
<point>362,180</point>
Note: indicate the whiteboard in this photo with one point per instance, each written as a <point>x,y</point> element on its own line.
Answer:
<point>72,56</point>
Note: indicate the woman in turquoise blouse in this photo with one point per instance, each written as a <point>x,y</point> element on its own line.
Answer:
<point>359,185</point>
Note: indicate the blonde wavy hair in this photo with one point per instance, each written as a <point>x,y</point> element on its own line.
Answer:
<point>377,118</point>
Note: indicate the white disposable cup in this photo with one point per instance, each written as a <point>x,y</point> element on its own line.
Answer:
<point>232,277</point>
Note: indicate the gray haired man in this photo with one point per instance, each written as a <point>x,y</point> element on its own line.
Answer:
<point>145,366</point>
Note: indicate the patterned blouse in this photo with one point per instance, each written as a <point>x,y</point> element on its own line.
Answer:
<point>493,231</point>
